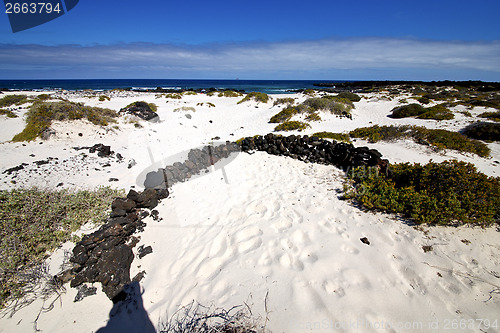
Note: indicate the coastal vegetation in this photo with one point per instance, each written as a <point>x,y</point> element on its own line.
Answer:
<point>292,125</point>
<point>284,115</point>
<point>495,116</point>
<point>152,106</point>
<point>10,100</point>
<point>8,113</point>
<point>349,95</point>
<point>483,131</point>
<point>173,96</point>
<point>229,93</point>
<point>256,96</point>
<point>333,104</point>
<point>41,114</point>
<point>34,222</point>
<point>313,116</point>
<point>334,136</point>
<point>436,112</point>
<point>447,193</point>
<point>103,98</point>
<point>284,101</point>
<point>439,138</point>
<point>185,108</point>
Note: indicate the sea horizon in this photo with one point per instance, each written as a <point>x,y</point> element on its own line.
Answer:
<point>265,86</point>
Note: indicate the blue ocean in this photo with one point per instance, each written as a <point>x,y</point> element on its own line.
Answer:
<point>265,86</point>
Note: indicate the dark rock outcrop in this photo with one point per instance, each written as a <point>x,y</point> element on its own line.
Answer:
<point>141,110</point>
<point>315,150</point>
<point>106,255</point>
<point>198,161</point>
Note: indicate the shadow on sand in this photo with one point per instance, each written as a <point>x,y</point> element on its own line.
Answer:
<point>129,315</point>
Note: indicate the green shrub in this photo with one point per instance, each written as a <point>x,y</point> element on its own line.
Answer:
<point>381,133</point>
<point>43,97</point>
<point>283,115</point>
<point>185,108</point>
<point>285,100</point>
<point>229,93</point>
<point>152,106</point>
<point>292,125</point>
<point>349,96</point>
<point>211,105</point>
<point>437,112</point>
<point>409,110</point>
<point>257,96</point>
<point>190,92</point>
<point>448,193</point>
<point>483,131</point>
<point>8,113</point>
<point>439,138</point>
<point>103,98</point>
<point>173,96</point>
<point>10,100</point>
<point>495,116</point>
<point>313,116</point>
<point>309,92</point>
<point>41,114</point>
<point>34,222</point>
<point>335,136</point>
<point>424,100</point>
<point>328,104</point>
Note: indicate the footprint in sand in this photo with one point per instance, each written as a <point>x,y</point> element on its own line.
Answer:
<point>247,239</point>
<point>349,249</point>
<point>289,261</point>
<point>256,207</point>
<point>283,223</point>
<point>333,288</point>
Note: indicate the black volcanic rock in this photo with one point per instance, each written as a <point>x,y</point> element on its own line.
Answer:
<point>141,110</point>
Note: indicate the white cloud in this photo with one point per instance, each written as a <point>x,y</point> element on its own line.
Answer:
<point>320,56</point>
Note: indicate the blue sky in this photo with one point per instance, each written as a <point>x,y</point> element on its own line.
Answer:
<point>377,39</point>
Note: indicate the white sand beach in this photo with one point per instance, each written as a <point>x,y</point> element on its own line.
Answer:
<point>262,230</point>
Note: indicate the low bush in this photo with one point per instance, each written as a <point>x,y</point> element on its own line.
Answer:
<point>34,222</point>
<point>495,116</point>
<point>41,114</point>
<point>438,138</point>
<point>285,100</point>
<point>309,92</point>
<point>328,104</point>
<point>409,110</point>
<point>335,136</point>
<point>256,96</point>
<point>103,98</point>
<point>349,96</point>
<point>8,113</point>
<point>313,116</point>
<point>10,100</point>
<point>483,131</point>
<point>448,193</point>
<point>190,92</point>
<point>152,106</point>
<point>173,96</point>
<point>185,108</point>
<point>437,112</point>
<point>229,93</point>
<point>283,115</point>
<point>292,125</point>
<point>43,97</point>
